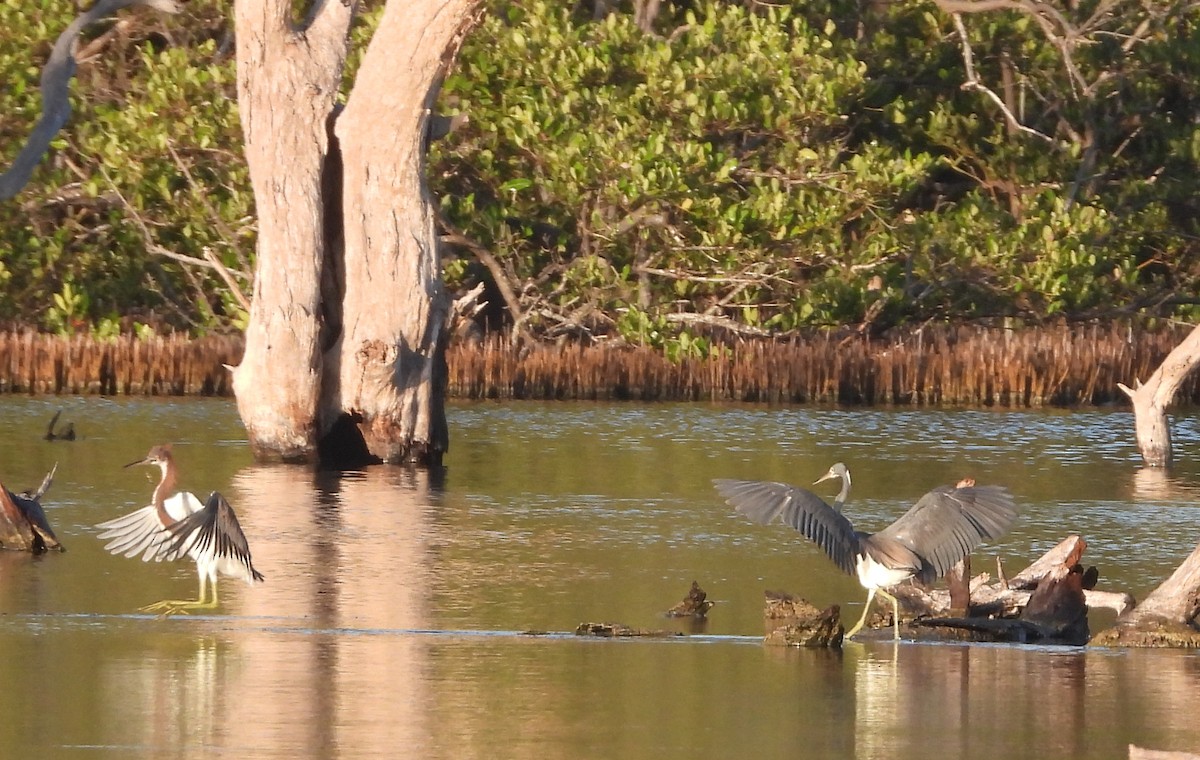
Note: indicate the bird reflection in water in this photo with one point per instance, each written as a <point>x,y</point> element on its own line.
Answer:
<point>176,524</point>
<point>944,526</point>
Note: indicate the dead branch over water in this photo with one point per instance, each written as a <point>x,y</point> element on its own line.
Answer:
<point>1061,365</point>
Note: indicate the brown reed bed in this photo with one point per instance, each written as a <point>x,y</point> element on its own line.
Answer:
<point>1065,365</point>
<point>1060,365</point>
<point>171,365</point>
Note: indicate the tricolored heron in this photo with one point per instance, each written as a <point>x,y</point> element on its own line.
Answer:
<point>927,540</point>
<point>175,524</point>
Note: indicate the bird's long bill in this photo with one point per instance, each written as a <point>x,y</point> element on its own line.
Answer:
<point>143,460</point>
<point>833,474</point>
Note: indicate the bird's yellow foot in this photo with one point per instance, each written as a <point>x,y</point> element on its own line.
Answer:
<point>168,607</point>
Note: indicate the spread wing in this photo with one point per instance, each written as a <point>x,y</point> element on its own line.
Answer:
<point>947,523</point>
<point>139,532</point>
<point>764,502</point>
<point>212,531</point>
<point>142,531</point>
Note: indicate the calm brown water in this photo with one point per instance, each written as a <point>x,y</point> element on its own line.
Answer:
<point>389,625</point>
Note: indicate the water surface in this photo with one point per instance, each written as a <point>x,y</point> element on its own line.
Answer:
<point>393,619</point>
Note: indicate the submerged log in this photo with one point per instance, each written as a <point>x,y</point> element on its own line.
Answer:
<point>792,621</point>
<point>23,524</point>
<point>620,630</point>
<point>65,433</point>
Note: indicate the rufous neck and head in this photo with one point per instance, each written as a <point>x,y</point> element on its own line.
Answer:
<point>160,456</point>
<point>839,470</point>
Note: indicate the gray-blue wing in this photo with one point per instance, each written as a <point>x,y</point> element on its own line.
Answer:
<point>214,530</point>
<point>948,523</point>
<point>764,502</point>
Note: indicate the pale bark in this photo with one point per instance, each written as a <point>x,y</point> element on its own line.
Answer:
<point>389,358</point>
<point>347,328</point>
<point>1151,399</point>
<point>1167,617</point>
<point>288,79</point>
<point>1178,598</point>
<point>348,321</point>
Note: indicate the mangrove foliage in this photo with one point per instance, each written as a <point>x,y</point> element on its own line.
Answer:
<point>714,168</point>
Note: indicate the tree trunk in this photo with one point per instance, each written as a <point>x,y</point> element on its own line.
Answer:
<point>390,357</point>
<point>343,358</point>
<point>288,79</point>
<point>1150,401</point>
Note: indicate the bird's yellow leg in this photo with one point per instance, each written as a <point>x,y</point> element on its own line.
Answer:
<point>866,608</point>
<point>895,612</point>
<point>177,606</point>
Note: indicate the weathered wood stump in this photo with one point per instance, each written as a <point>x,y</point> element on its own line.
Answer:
<point>1058,604</point>
<point>792,621</point>
<point>695,604</point>
<point>1167,618</point>
<point>23,524</point>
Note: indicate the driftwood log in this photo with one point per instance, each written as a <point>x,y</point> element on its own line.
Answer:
<point>1167,618</point>
<point>621,631</point>
<point>1046,602</point>
<point>1141,753</point>
<point>23,524</point>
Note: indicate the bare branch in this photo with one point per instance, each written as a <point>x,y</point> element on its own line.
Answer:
<point>223,273</point>
<point>56,79</point>
<point>210,260</point>
<point>724,323</point>
<point>485,257</point>
<point>197,193</point>
<point>973,82</point>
